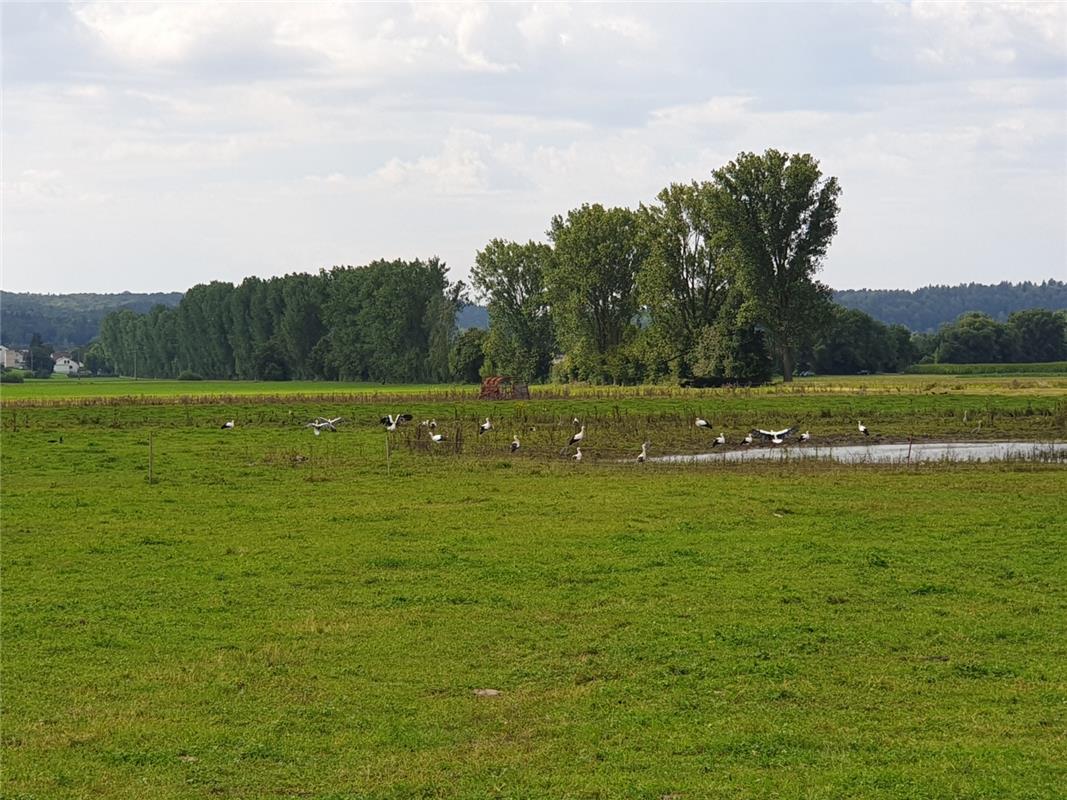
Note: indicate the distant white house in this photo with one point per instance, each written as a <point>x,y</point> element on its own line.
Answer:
<point>11,358</point>
<point>65,365</point>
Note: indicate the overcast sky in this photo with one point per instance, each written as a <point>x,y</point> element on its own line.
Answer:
<point>152,147</point>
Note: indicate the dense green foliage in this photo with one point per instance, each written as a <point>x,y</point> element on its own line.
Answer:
<point>779,215</point>
<point>68,320</point>
<point>975,338</point>
<point>855,342</point>
<point>712,283</point>
<point>278,614</point>
<point>592,286</point>
<point>925,310</point>
<point>387,321</point>
<point>512,276</point>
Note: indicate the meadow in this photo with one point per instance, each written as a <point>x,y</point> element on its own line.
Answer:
<point>276,614</point>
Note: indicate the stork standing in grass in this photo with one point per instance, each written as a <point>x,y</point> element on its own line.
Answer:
<point>227,425</point>
<point>703,423</point>
<point>485,427</point>
<point>437,438</point>
<point>643,454</point>
<point>805,436</point>
<point>747,439</point>
<point>577,454</point>
<point>720,439</point>
<point>863,429</point>
<point>576,439</point>
<point>515,444</point>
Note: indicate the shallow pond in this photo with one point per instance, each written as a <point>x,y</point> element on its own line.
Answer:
<point>898,453</point>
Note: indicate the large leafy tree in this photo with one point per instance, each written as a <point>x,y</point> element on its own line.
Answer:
<point>511,277</point>
<point>1042,335</point>
<point>686,277</point>
<point>41,362</point>
<point>976,338</point>
<point>386,320</point>
<point>591,282</point>
<point>780,214</point>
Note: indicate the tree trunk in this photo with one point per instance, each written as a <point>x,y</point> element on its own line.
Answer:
<point>787,364</point>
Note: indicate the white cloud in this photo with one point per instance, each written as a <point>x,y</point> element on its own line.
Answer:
<point>297,136</point>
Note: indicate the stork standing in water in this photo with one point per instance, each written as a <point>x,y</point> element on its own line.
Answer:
<point>485,427</point>
<point>515,444</point>
<point>863,429</point>
<point>390,422</point>
<point>576,439</point>
<point>703,423</point>
<point>227,425</point>
<point>644,453</point>
<point>720,439</point>
<point>577,454</point>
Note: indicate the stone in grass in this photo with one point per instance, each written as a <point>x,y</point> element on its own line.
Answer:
<point>486,692</point>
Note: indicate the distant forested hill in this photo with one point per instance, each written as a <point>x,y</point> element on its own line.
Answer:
<point>67,320</point>
<point>473,317</point>
<point>923,310</point>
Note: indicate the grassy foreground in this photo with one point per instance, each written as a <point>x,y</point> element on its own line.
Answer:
<point>284,616</point>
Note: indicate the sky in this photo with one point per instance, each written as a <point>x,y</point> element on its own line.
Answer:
<point>151,147</point>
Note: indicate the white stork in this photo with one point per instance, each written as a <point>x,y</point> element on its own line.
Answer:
<point>433,424</point>
<point>772,435</point>
<point>227,425</point>
<point>320,425</point>
<point>644,453</point>
<point>747,439</point>
<point>805,436</point>
<point>390,422</point>
<point>515,444</point>
<point>485,427</point>
<point>720,439</point>
<point>577,438</point>
<point>437,438</point>
<point>703,423</point>
<point>863,429</point>
<point>577,454</point>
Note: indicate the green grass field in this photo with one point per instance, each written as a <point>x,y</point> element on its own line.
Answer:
<point>283,615</point>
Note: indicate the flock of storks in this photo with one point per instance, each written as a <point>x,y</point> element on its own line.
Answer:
<point>391,422</point>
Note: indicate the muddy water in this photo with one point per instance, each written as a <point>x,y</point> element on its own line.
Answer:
<point>889,453</point>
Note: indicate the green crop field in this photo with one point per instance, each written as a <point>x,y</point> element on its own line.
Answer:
<point>276,614</point>
<point>1042,368</point>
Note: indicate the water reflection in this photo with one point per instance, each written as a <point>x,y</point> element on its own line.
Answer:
<point>888,453</point>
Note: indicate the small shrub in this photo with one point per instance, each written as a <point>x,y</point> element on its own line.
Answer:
<point>11,377</point>
<point>189,375</point>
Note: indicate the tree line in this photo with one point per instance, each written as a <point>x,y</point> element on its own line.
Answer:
<point>711,282</point>
<point>389,321</point>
